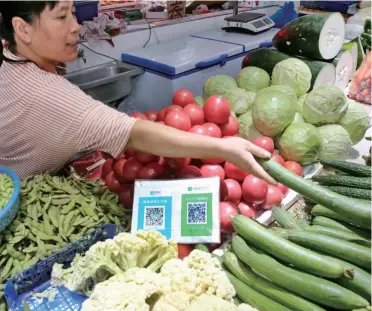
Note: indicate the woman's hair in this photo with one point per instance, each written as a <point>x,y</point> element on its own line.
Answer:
<point>27,10</point>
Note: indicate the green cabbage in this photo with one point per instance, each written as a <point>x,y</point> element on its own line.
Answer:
<point>336,142</point>
<point>300,104</point>
<point>199,101</point>
<point>294,73</point>
<point>298,119</point>
<point>247,129</point>
<point>301,143</point>
<point>218,85</point>
<point>324,105</point>
<point>272,112</point>
<point>253,79</point>
<point>355,121</point>
<point>290,92</point>
<point>240,100</point>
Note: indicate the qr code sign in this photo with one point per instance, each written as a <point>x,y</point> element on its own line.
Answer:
<point>197,213</point>
<point>154,217</point>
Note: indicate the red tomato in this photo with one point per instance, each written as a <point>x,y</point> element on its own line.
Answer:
<point>151,171</point>
<point>254,189</point>
<point>283,189</point>
<point>195,113</point>
<point>278,158</point>
<point>212,161</point>
<point>112,183</point>
<point>161,114</point>
<point>217,109</point>
<point>231,127</point>
<point>226,211</point>
<point>129,153</point>
<point>234,191</point>
<point>274,197</point>
<point>131,169</point>
<point>224,192</point>
<point>198,129</point>
<point>234,172</point>
<point>139,115</point>
<point>144,157</point>
<point>178,119</point>
<point>211,170</point>
<point>171,108</point>
<point>107,167</point>
<point>182,98</point>
<point>213,130</point>
<point>118,169</point>
<point>152,115</point>
<point>189,171</point>
<point>294,167</point>
<point>265,143</point>
<point>184,250</point>
<point>177,163</point>
<point>247,209</point>
<point>126,195</point>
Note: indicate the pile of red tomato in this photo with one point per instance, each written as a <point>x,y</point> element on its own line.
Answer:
<point>240,192</point>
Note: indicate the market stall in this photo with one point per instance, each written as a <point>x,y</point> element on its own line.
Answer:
<point>143,232</point>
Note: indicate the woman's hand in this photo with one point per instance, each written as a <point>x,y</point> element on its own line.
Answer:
<point>241,152</point>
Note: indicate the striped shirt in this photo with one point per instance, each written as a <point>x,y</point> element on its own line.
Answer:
<point>45,120</point>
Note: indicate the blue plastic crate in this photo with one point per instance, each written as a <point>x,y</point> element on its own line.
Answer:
<point>36,279</point>
<point>86,10</point>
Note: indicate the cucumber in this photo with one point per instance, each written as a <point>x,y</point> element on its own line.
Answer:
<point>253,298</point>
<point>319,210</point>
<point>265,287</point>
<point>306,285</point>
<point>284,218</point>
<point>363,194</point>
<point>339,225</point>
<point>357,211</point>
<point>353,169</point>
<point>264,58</point>
<point>356,254</point>
<point>344,181</point>
<point>285,250</point>
<point>309,36</point>
<point>340,234</point>
<point>360,283</point>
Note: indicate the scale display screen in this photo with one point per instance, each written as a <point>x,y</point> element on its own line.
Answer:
<point>258,24</point>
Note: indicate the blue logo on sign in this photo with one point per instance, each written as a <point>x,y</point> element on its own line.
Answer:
<point>155,192</point>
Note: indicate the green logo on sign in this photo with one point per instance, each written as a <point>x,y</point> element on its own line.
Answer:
<point>189,188</point>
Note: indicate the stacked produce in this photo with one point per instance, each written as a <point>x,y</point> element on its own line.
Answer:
<point>6,189</point>
<point>142,272</point>
<point>54,211</point>
<point>297,269</point>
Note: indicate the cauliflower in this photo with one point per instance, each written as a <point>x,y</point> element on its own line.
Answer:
<point>114,256</point>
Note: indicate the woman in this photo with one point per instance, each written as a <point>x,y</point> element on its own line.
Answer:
<point>45,120</point>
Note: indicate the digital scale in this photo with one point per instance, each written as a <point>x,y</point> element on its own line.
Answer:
<point>248,23</point>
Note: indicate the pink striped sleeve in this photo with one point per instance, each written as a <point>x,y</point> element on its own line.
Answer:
<point>92,124</point>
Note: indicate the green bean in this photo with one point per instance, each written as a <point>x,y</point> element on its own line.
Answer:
<point>48,228</point>
<point>3,260</point>
<point>53,214</point>
<point>60,226</point>
<point>67,208</point>
<point>9,264</point>
<point>47,203</point>
<point>29,263</point>
<point>14,253</point>
<point>2,306</point>
<point>16,239</point>
<point>61,201</point>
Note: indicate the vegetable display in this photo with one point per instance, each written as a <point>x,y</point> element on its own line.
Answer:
<point>6,189</point>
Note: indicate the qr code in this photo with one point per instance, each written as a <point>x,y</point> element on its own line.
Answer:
<point>197,213</point>
<point>154,217</point>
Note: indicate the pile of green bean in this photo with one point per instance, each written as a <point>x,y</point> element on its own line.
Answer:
<point>6,189</point>
<point>54,211</point>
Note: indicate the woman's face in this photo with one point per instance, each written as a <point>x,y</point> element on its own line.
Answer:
<point>54,35</point>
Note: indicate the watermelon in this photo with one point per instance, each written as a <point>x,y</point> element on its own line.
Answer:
<point>317,36</point>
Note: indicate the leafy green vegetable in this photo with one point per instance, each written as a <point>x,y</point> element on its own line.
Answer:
<point>294,73</point>
<point>239,99</point>
<point>247,129</point>
<point>300,104</point>
<point>355,121</point>
<point>199,101</point>
<point>298,119</point>
<point>336,142</point>
<point>253,79</point>
<point>287,90</point>
<point>218,85</point>
<point>272,112</point>
<point>324,105</point>
<point>301,143</point>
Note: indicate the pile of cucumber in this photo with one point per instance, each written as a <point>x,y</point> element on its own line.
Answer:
<point>298,268</point>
